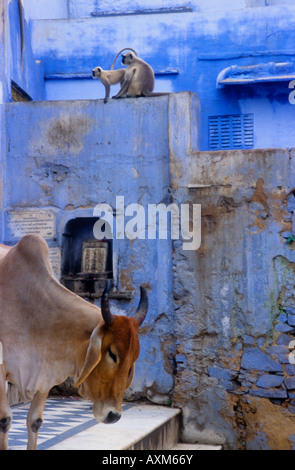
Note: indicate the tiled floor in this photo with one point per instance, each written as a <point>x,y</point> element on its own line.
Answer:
<point>68,424</point>
<point>138,421</point>
<point>62,418</point>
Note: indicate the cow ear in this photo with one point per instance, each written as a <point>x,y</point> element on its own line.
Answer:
<point>130,376</point>
<point>93,356</point>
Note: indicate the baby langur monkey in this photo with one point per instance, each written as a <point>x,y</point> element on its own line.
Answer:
<point>111,77</point>
<point>139,78</point>
<point>108,78</point>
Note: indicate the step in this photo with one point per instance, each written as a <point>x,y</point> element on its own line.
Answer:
<point>140,427</point>
<point>69,424</point>
<point>186,447</point>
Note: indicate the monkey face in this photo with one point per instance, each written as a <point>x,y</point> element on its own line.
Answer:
<point>127,58</point>
<point>96,72</point>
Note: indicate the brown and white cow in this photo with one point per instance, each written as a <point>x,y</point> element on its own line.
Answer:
<point>48,334</point>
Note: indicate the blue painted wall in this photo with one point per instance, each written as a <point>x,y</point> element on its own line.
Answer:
<point>21,66</point>
<point>77,152</point>
<point>68,164</point>
<point>187,50</point>
<point>187,45</point>
<point>3,98</point>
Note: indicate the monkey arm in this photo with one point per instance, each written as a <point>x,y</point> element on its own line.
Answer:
<point>125,84</point>
<point>107,86</point>
<point>107,95</point>
<point>123,90</point>
<point>108,78</point>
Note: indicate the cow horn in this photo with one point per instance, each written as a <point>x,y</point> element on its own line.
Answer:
<point>105,308</point>
<point>142,308</point>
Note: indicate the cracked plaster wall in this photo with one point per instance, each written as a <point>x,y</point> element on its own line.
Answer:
<point>66,157</point>
<point>221,318</point>
<point>234,301</point>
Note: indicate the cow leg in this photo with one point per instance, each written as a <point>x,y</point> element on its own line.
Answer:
<point>5,412</point>
<point>34,419</point>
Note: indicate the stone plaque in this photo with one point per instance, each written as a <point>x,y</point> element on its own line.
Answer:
<point>55,260</point>
<point>41,222</point>
<point>94,256</point>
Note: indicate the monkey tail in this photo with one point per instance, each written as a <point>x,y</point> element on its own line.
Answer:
<point>125,49</point>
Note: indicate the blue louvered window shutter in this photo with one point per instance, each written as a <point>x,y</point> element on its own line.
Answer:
<point>235,131</point>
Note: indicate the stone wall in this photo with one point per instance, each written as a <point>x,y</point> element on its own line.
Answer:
<point>69,156</point>
<point>221,318</point>
<point>188,46</point>
<point>234,300</point>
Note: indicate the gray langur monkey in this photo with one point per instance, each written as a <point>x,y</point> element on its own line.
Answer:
<point>111,77</point>
<point>125,49</point>
<point>108,78</point>
<point>139,78</point>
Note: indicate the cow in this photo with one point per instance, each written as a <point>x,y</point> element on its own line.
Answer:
<point>48,333</point>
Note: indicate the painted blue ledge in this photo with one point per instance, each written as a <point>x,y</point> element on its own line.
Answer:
<point>143,11</point>
<point>88,75</point>
<point>262,73</point>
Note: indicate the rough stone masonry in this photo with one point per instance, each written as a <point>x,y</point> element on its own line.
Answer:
<point>221,319</point>
<point>235,301</point>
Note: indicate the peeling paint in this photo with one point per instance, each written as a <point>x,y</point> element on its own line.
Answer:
<point>214,327</point>
<point>64,134</point>
<point>241,285</point>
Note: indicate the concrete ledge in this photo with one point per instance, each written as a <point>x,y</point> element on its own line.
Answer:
<point>68,424</point>
<point>132,432</point>
<point>186,447</point>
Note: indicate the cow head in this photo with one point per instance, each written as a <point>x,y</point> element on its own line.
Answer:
<point>109,363</point>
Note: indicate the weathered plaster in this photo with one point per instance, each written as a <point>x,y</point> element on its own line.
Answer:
<point>234,298</point>
<point>68,161</point>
